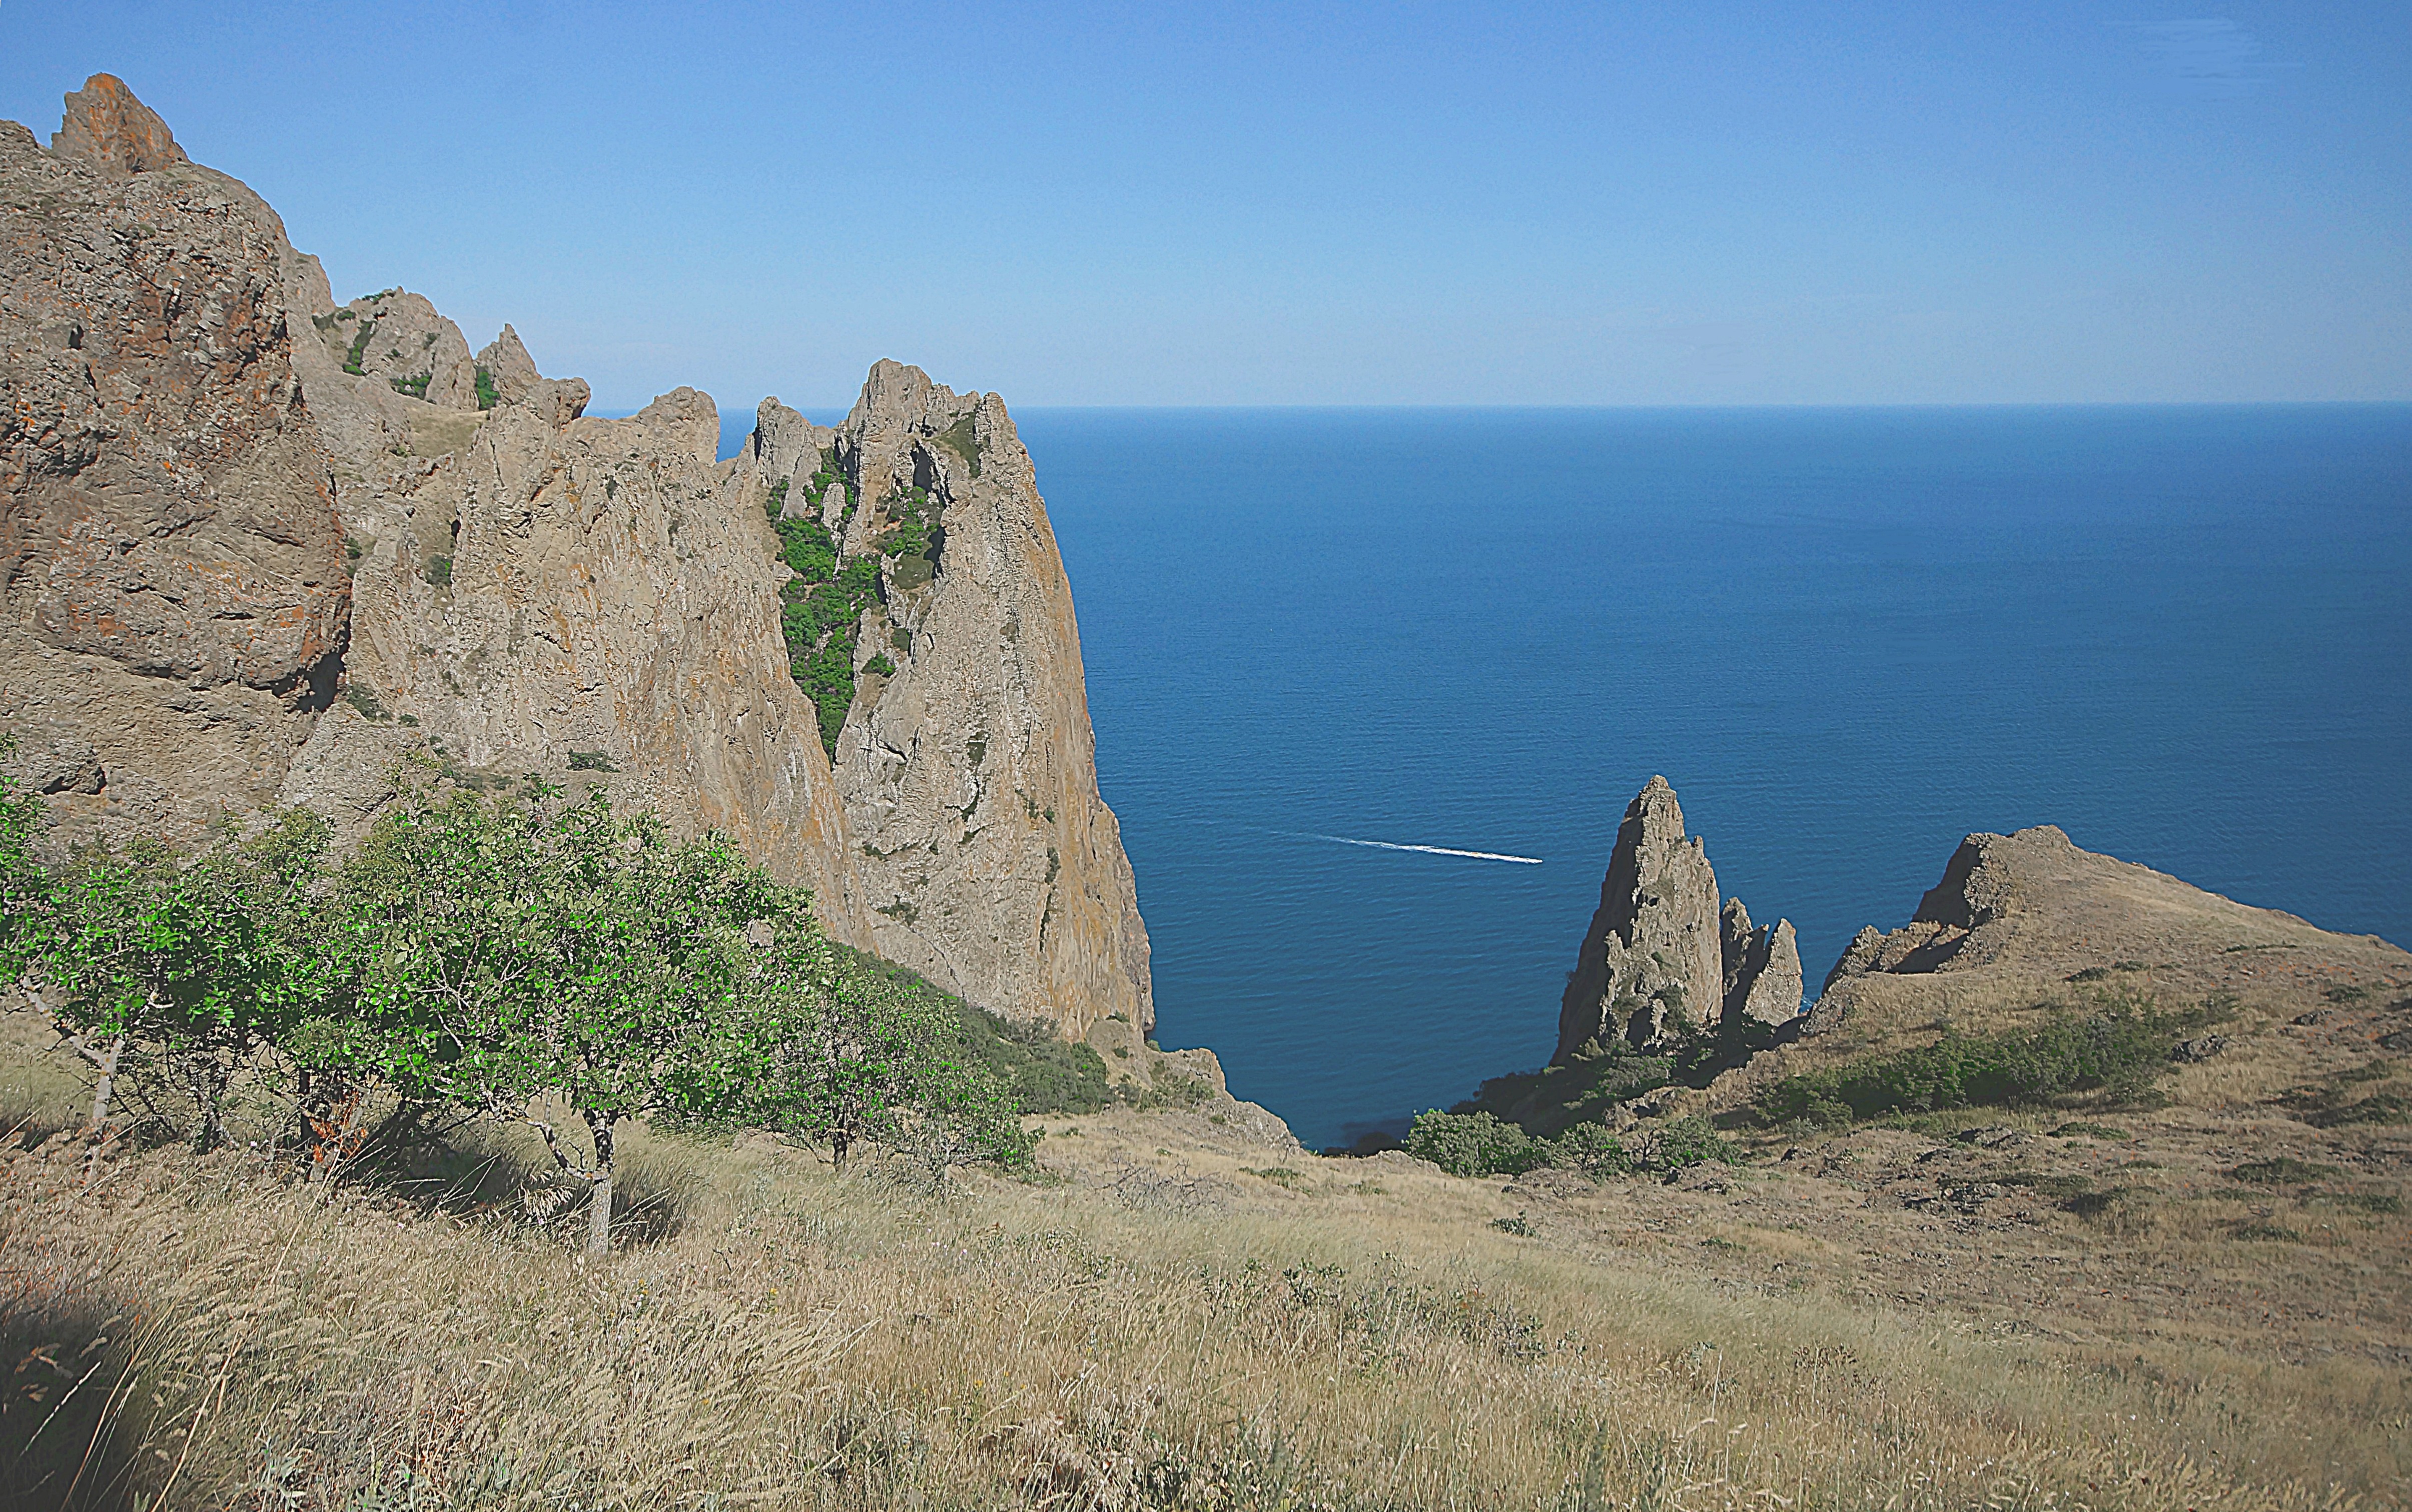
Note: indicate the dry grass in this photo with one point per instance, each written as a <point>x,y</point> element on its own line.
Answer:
<point>1162,1329</point>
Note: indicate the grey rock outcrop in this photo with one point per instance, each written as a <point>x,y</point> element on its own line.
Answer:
<point>399,338</point>
<point>236,574</point>
<point>172,593</point>
<point>586,598</point>
<point>786,445</point>
<point>967,769</point>
<point>117,135</point>
<point>1763,968</point>
<point>1657,955</point>
<point>508,367</point>
<point>2026,926</point>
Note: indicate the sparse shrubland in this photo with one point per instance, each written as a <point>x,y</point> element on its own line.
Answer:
<point>2109,1055</point>
<point>1610,1070</point>
<point>204,1332</point>
<point>1480,1144</point>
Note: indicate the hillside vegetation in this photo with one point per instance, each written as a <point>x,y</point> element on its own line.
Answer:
<point>834,1239</point>
<point>1168,1318</point>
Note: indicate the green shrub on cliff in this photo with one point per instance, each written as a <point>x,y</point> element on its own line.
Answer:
<point>821,608</point>
<point>1472,1144</point>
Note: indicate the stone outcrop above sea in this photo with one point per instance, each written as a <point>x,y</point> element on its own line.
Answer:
<point>1763,968</point>
<point>2017,918</point>
<point>1658,956</point>
<point>967,769</point>
<point>258,549</point>
<point>2028,927</point>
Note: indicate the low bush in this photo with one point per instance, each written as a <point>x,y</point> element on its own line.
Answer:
<point>1480,1144</point>
<point>1472,1144</point>
<point>2112,1055</point>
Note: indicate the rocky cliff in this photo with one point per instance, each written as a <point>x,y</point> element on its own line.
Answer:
<point>1658,954</point>
<point>962,749</point>
<point>2017,918</point>
<point>171,552</point>
<point>258,548</point>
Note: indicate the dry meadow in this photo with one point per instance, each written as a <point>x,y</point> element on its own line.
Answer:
<point>1172,1314</point>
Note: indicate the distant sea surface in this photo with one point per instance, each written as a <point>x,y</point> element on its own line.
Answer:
<point>1848,636</point>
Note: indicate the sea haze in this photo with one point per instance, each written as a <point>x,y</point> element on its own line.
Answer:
<point>1848,636</point>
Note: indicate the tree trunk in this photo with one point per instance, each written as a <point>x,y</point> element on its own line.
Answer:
<point>839,1139</point>
<point>207,1082</point>
<point>98,1132</point>
<point>599,1207</point>
<point>107,1085</point>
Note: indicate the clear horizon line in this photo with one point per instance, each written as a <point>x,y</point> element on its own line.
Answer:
<point>1701,406</point>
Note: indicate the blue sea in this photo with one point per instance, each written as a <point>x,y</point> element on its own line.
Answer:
<point>1848,637</point>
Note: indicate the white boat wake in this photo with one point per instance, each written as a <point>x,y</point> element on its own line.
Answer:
<point>1429,850</point>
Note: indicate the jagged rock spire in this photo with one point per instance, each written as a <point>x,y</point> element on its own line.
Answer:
<point>107,127</point>
<point>1658,955</point>
<point>1762,965</point>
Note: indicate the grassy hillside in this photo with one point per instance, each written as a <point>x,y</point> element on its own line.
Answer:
<point>1169,1315</point>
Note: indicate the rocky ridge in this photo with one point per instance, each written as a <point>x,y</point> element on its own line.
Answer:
<point>258,548</point>
<point>2016,920</point>
<point>170,550</point>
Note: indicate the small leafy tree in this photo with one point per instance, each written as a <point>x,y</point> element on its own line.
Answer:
<point>24,884</point>
<point>514,954</point>
<point>174,972</point>
<point>839,1053</point>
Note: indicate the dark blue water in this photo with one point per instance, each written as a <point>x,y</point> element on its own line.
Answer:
<point>1848,636</point>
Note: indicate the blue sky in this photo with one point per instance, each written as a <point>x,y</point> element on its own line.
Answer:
<point>1332,203</point>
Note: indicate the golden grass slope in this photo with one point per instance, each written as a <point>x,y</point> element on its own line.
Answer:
<point>1190,1319</point>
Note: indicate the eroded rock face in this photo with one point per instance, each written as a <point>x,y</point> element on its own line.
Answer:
<point>588,599</point>
<point>1967,918</point>
<point>172,565</point>
<point>507,365</point>
<point>1763,968</point>
<point>966,762</point>
<point>1657,955</point>
<point>399,338</point>
<point>115,134</point>
<point>261,550</point>
<point>2027,927</point>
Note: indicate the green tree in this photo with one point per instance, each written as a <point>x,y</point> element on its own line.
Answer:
<point>839,1053</point>
<point>515,954</point>
<point>172,973</point>
<point>24,884</point>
